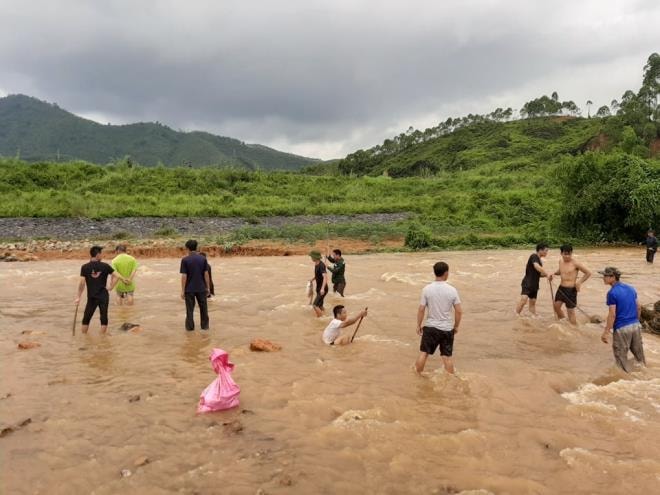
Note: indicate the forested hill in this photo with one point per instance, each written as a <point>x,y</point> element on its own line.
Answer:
<point>549,130</point>
<point>35,130</point>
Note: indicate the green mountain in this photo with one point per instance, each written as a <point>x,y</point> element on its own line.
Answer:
<point>35,130</point>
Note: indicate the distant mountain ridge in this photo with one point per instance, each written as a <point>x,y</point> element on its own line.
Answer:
<point>35,130</point>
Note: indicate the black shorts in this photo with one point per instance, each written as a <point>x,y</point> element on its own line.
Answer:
<point>567,295</point>
<point>318,301</point>
<point>529,291</point>
<point>432,338</point>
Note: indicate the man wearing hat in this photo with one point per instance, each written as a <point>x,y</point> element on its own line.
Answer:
<point>622,319</point>
<point>321,278</point>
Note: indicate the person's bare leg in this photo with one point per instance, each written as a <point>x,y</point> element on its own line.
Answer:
<point>120,300</point>
<point>421,362</point>
<point>557,306</point>
<point>84,328</point>
<point>532,306</point>
<point>449,364</point>
<point>104,328</point>
<point>521,304</point>
<point>129,299</point>
<point>318,311</point>
<point>571,316</point>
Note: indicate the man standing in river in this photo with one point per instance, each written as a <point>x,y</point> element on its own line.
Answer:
<point>623,314</point>
<point>530,282</point>
<point>195,285</point>
<point>126,265</point>
<point>321,280</point>
<point>338,269</point>
<point>440,328</point>
<point>569,286</point>
<point>94,276</point>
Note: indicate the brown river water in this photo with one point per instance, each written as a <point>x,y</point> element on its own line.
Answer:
<point>536,406</point>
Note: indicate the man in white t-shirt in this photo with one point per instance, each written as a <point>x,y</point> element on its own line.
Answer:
<point>332,333</point>
<point>439,298</point>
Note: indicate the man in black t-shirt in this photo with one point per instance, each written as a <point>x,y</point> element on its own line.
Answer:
<point>321,279</point>
<point>195,285</point>
<point>94,276</point>
<point>651,246</point>
<point>530,282</point>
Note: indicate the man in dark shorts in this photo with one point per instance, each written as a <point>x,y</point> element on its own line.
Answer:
<point>94,276</point>
<point>622,319</point>
<point>321,279</point>
<point>440,328</point>
<point>530,282</point>
<point>195,285</point>
<point>338,270</point>
<point>569,269</point>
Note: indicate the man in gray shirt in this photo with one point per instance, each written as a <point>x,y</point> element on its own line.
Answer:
<point>439,298</point>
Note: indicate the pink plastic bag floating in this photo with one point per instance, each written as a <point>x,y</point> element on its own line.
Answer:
<point>222,393</point>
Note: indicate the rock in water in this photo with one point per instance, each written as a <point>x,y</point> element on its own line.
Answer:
<point>28,345</point>
<point>650,318</point>
<point>261,345</point>
<point>128,326</point>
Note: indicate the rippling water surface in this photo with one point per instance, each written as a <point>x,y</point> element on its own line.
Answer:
<point>536,406</point>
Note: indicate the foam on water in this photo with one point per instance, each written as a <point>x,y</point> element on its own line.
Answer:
<point>634,400</point>
<point>381,340</point>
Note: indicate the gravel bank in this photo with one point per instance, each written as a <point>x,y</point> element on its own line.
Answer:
<point>149,227</point>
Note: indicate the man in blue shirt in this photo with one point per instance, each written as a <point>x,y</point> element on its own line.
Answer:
<point>622,319</point>
<point>195,285</point>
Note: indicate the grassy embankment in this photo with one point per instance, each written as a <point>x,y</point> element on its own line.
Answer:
<point>497,188</point>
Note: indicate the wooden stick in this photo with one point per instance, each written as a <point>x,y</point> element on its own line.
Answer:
<point>552,299</point>
<point>358,326</point>
<point>75,317</point>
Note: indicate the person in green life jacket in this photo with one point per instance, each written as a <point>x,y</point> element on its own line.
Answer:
<point>126,265</point>
<point>338,270</point>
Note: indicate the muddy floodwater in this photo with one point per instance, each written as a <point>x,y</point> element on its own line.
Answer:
<point>536,406</point>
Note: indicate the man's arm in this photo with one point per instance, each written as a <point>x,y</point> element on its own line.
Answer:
<point>324,285</point>
<point>114,278</point>
<point>639,310</point>
<point>132,275</point>
<point>184,279</point>
<point>458,315</point>
<point>420,318</point>
<point>609,324</point>
<point>543,273</point>
<point>207,281</point>
<point>585,277</point>
<point>81,288</point>
<point>349,321</point>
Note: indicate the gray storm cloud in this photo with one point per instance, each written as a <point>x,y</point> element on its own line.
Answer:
<point>319,78</point>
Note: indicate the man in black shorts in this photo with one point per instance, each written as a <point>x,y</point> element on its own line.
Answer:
<point>321,279</point>
<point>94,275</point>
<point>530,282</point>
<point>440,328</point>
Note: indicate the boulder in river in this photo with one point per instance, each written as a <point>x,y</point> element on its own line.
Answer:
<point>262,345</point>
<point>650,318</point>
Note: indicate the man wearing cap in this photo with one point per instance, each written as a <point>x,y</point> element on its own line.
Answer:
<point>321,279</point>
<point>622,319</point>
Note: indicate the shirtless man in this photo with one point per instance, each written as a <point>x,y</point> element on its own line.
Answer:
<point>569,285</point>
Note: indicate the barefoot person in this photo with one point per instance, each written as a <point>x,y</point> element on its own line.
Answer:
<point>126,265</point>
<point>195,285</point>
<point>622,319</point>
<point>530,282</point>
<point>332,333</point>
<point>440,328</point>
<point>569,286</point>
<point>94,276</point>
<point>321,280</point>
<point>338,269</point>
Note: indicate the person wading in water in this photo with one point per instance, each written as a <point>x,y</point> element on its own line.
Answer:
<point>569,285</point>
<point>530,283</point>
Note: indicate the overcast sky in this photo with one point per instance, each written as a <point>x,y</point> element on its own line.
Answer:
<point>319,78</point>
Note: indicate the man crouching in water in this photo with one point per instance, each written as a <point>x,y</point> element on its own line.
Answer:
<point>332,333</point>
<point>569,285</point>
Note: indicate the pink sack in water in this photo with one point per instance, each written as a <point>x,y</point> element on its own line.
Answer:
<point>223,392</point>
